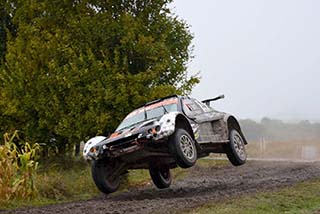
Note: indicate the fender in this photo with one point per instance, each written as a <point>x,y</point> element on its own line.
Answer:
<point>167,125</point>
<point>87,153</point>
<point>183,122</point>
<point>232,122</point>
<point>172,120</point>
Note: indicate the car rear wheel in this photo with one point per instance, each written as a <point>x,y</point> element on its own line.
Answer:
<point>183,148</point>
<point>235,149</point>
<point>161,176</point>
<point>105,176</point>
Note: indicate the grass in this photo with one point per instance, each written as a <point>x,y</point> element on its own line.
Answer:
<point>66,180</point>
<point>301,198</point>
<point>60,180</point>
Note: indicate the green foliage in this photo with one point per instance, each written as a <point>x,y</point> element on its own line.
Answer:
<point>59,184</point>
<point>17,169</point>
<point>75,68</point>
<point>59,180</point>
<point>252,130</point>
<point>6,26</point>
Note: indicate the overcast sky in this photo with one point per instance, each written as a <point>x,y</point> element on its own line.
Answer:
<point>264,55</point>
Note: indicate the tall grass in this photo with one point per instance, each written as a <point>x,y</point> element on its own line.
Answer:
<point>65,179</point>
<point>18,167</point>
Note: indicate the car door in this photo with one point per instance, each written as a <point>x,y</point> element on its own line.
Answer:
<point>199,120</point>
<point>205,119</point>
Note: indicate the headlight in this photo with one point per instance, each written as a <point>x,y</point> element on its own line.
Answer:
<point>93,150</point>
<point>157,128</point>
<point>154,130</point>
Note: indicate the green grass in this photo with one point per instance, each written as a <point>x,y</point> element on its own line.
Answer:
<point>298,199</point>
<point>60,180</point>
<point>65,180</point>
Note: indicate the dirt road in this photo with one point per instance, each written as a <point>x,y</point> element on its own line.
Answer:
<point>203,185</point>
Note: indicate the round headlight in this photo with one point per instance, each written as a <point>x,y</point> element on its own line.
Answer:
<point>157,128</point>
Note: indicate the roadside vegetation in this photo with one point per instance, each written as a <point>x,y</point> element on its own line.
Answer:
<point>18,168</point>
<point>61,180</point>
<point>300,198</point>
<point>69,179</point>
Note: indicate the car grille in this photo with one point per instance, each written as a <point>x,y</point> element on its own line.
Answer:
<point>123,142</point>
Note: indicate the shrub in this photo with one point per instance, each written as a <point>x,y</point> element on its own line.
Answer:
<point>18,167</point>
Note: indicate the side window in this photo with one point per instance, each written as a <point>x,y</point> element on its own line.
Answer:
<point>191,108</point>
<point>203,106</point>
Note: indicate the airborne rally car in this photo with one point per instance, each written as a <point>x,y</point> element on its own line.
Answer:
<point>161,135</point>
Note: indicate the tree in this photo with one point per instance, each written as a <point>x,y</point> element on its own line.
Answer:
<point>252,130</point>
<point>75,68</point>
<point>6,25</point>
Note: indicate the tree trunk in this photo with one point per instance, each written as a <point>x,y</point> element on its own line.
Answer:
<point>77,150</point>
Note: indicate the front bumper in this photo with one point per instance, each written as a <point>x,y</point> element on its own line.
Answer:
<point>146,136</point>
<point>127,145</point>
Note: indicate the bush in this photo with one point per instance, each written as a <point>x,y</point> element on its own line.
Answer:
<point>18,167</point>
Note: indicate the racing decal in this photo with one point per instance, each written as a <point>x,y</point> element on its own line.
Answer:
<point>162,103</point>
<point>153,106</point>
<point>167,124</point>
<point>113,135</point>
<point>195,129</point>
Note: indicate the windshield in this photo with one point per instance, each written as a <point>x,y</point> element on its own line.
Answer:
<point>149,112</point>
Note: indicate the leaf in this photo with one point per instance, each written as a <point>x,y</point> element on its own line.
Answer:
<point>78,69</point>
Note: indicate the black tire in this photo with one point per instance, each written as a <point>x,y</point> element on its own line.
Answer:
<point>161,176</point>
<point>235,149</point>
<point>103,175</point>
<point>183,148</point>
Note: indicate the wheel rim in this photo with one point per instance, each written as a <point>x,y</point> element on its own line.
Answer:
<point>187,147</point>
<point>111,178</point>
<point>165,174</point>
<point>239,147</point>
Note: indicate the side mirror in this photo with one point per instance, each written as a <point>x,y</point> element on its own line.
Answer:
<point>207,101</point>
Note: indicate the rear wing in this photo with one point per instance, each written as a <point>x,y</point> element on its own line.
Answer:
<point>207,101</point>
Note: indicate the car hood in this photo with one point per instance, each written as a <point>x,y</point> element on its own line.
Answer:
<point>130,131</point>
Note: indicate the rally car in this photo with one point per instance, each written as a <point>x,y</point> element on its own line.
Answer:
<point>161,135</point>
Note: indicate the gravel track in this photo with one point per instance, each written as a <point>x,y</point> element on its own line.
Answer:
<point>202,185</point>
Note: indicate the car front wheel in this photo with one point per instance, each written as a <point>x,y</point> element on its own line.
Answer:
<point>183,148</point>
<point>105,176</point>
<point>235,149</point>
<point>161,176</point>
